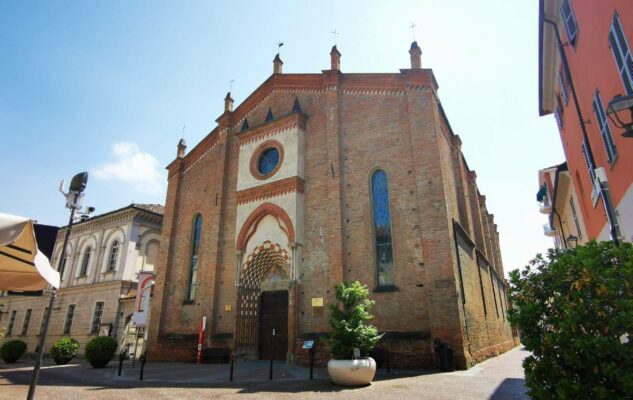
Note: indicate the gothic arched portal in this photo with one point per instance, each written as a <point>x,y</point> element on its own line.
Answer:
<point>267,265</point>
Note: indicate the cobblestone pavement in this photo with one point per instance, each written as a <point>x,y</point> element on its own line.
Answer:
<point>498,379</point>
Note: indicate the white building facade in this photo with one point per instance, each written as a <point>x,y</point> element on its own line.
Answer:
<point>98,280</point>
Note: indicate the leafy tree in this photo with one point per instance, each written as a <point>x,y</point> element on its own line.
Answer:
<point>574,309</point>
<point>347,318</point>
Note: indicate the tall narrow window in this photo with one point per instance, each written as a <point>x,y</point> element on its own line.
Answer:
<point>114,254</point>
<point>570,21</point>
<point>502,296</point>
<point>621,53</point>
<point>563,87</point>
<point>605,132</point>
<point>382,228</point>
<point>595,190</point>
<point>85,262</point>
<point>27,320</point>
<point>62,264</point>
<point>573,211</point>
<point>43,321</point>
<point>558,114</point>
<point>494,293</point>
<point>70,315</point>
<point>585,153</point>
<point>193,265</point>
<point>11,322</point>
<point>96,317</point>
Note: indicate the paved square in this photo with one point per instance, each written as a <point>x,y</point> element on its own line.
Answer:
<point>498,378</point>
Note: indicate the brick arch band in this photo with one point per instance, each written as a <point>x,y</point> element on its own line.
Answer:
<point>250,225</point>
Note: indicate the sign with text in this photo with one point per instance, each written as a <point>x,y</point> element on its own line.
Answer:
<point>143,294</point>
<point>317,302</point>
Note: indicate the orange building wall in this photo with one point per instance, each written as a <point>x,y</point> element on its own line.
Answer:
<point>592,67</point>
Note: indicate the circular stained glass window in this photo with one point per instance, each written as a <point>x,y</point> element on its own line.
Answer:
<point>267,161</point>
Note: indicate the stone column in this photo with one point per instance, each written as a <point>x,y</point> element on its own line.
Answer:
<point>239,256</point>
<point>292,321</point>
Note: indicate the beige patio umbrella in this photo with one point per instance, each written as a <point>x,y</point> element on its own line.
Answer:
<point>22,266</point>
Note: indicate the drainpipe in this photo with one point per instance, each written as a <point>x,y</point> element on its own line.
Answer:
<point>604,191</point>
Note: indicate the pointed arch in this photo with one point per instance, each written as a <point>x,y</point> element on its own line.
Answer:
<point>250,225</point>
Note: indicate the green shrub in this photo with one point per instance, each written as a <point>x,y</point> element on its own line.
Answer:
<point>100,350</point>
<point>347,318</point>
<point>12,350</point>
<point>64,350</point>
<point>572,309</point>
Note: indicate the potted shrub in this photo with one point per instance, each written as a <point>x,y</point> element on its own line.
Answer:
<point>352,339</point>
<point>100,350</point>
<point>12,350</point>
<point>64,350</point>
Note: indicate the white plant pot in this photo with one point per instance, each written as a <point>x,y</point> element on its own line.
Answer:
<point>352,372</point>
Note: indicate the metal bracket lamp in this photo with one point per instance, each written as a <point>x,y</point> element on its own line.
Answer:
<point>615,108</point>
<point>572,240</point>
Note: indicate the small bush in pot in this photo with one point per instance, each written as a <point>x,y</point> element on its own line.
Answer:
<point>348,319</point>
<point>100,350</point>
<point>64,350</point>
<point>12,350</point>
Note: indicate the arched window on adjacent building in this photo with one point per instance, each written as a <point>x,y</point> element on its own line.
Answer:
<point>114,255</point>
<point>382,229</point>
<point>85,261</point>
<point>193,265</point>
<point>151,255</point>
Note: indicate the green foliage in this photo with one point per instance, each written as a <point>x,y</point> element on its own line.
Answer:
<point>572,308</point>
<point>64,350</point>
<point>347,318</point>
<point>100,350</point>
<point>12,350</point>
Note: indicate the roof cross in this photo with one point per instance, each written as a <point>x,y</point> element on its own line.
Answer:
<point>335,33</point>
<point>412,27</point>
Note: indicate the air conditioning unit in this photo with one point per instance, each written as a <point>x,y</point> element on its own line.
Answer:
<point>548,230</point>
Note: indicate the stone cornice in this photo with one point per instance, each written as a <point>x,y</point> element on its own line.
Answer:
<point>124,216</point>
<point>273,189</point>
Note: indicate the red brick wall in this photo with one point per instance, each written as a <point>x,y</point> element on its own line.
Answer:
<point>356,124</point>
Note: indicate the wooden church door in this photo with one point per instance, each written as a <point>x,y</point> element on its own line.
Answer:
<point>273,326</point>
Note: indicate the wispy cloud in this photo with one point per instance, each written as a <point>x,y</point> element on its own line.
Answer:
<point>132,166</point>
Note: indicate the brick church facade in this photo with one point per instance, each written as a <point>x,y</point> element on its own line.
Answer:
<point>317,179</point>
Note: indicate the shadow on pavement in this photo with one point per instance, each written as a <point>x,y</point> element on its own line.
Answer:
<point>510,388</point>
<point>83,375</point>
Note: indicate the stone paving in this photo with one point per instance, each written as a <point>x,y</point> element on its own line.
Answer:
<point>499,378</point>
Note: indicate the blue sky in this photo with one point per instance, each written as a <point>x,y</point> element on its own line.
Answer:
<point>107,87</point>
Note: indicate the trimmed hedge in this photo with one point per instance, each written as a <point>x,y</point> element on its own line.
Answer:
<point>64,350</point>
<point>575,310</point>
<point>12,350</point>
<point>100,350</point>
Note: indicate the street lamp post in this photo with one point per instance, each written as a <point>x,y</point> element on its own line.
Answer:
<point>73,201</point>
